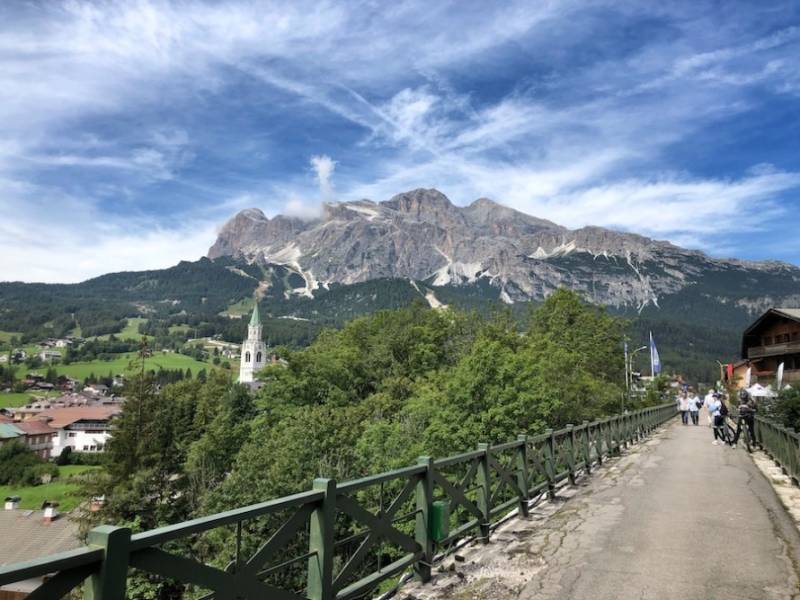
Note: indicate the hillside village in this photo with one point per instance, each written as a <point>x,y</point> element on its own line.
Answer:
<point>62,413</point>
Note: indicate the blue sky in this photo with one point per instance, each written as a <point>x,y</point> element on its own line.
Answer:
<point>130,131</point>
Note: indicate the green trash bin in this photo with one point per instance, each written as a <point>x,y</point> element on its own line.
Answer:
<point>440,520</point>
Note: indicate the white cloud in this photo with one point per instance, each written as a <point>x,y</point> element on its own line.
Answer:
<point>324,166</point>
<point>302,209</point>
<point>83,249</point>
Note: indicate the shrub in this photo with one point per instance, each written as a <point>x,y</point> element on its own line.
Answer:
<point>87,458</point>
<point>64,458</point>
<point>18,465</point>
<point>787,408</point>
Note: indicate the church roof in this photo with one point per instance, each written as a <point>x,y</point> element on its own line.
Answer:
<point>255,319</point>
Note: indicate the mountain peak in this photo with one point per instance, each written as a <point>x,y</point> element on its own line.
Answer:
<point>255,214</point>
<point>428,205</point>
<point>420,197</point>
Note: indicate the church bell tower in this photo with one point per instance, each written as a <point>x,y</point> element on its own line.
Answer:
<point>254,350</point>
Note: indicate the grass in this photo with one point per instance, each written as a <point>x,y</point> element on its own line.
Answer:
<point>130,331</point>
<point>240,308</point>
<point>5,336</point>
<point>122,365</point>
<point>13,399</point>
<point>179,328</point>
<point>61,490</point>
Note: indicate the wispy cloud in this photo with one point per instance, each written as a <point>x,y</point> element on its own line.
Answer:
<point>324,166</point>
<point>155,118</point>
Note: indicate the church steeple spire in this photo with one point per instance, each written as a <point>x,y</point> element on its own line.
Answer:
<point>255,319</point>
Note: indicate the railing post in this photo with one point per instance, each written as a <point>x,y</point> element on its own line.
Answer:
<point>422,527</point>
<point>626,430</point>
<point>485,491</point>
<point>109,582</point>
<point>571,457</point>
<point>609,436</point>
<point>791,448</point>
<point>587,448</point>
<point>522,473</point>
<point>321,542</point>
<point>550,464</point>
<point>598,442</point>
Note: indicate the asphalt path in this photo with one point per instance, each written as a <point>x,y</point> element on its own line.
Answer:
<point>685,519</point>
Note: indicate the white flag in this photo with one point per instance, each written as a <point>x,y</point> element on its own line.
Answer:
<point>748,376</point>
<point>779,378</point>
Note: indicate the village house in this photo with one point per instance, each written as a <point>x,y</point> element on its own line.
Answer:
<point>36,435</point>
<point>98,389</point>
<point>73,399</point>
<point>773,339</point>
<point>83,428</point>
<point>49,355</point>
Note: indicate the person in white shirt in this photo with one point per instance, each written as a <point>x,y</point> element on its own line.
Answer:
<point>694,408</point>
<point>718,411</point>
<point>708,400</point>
<point>683,406</point>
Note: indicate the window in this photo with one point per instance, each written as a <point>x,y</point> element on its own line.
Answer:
<point>71,434</point>
<point>247,357</point>
<point>258,357</point>
<point>85,448</point>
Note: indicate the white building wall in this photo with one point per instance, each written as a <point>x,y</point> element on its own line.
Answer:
<point>252,351</point>
<point>79,439</point>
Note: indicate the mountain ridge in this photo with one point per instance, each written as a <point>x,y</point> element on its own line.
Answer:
<point>422,235</point>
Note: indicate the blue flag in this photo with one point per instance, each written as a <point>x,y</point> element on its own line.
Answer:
<point>655,360</point>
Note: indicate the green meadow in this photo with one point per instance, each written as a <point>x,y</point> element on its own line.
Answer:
<point>240,308</point>
<point>130,331</point>
<point>125,364</point>
<point>60,490</point>
<point>14,400</point>
<point>5,336</point>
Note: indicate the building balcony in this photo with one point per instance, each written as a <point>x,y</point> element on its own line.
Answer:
<point>792,376</point>
<point>773,350</point>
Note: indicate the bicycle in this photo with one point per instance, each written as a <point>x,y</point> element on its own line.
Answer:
<point>742,426</point>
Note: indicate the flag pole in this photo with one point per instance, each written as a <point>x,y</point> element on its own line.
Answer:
<point>652,360</point>
<point>627,373</point>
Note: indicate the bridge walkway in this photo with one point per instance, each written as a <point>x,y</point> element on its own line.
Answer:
<point>675,517</point>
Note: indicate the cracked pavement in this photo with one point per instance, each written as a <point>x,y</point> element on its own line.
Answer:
<point>674,517</point>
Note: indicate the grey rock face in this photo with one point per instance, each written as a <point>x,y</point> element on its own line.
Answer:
<point>421,235</point>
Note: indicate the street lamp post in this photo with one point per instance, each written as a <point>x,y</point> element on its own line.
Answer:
<point>629,366</point>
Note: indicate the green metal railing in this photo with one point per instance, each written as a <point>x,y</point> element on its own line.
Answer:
<point>781,443</point>
<point>343,540</point>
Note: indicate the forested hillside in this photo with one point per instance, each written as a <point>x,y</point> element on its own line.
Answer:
<point>206,298</point>
<point>369,397</point>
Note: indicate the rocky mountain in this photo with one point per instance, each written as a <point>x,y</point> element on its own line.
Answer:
<point>420,235</point>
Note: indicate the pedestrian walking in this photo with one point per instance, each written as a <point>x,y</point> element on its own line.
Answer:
<point>709,399</point>
<point>716,408</point>
<point>694,409</point>
<point>683,406</point>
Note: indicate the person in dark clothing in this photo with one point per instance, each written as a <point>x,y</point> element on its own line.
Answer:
<point>747,413</point>
<point>720,427</point>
